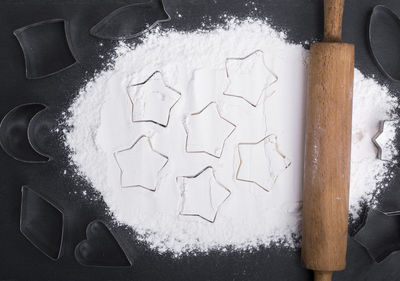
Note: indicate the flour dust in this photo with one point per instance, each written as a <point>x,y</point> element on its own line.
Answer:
<point>227,110</point>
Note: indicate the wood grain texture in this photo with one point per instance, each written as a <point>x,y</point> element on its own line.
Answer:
<point>327,156</point>
<point>333,17</point>
<point>322,276</point>
<point>327,149</point>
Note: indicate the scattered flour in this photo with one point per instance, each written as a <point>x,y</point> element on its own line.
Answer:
<point>194,65</point>
<point>372,104</point>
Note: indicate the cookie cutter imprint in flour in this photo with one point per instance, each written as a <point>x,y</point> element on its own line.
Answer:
<point>183,192</point>
<point>217,152</point>
<point>155,105</point>
<point>152,172</point>
<point>274,77</point>
<point>274,141</point>
<point>385,142</point>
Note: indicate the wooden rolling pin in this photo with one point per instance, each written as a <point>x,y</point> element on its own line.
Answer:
<point>327,148</point>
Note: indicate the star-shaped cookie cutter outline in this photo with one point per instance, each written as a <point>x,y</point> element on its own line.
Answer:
<point>255,143</point>
<point>223,144</point>
<point>381,146</point>
<point>129,148</point>
<point>265,65</point>
<point>157,72</point>
<point>182,197</point>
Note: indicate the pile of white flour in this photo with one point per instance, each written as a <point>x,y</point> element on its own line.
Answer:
<point>194,64</point>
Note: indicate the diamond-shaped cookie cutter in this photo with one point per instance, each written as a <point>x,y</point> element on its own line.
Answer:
<point>42,223</point>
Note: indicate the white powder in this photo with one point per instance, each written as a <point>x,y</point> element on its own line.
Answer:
<point>372,103</point>
<point>193,64</point>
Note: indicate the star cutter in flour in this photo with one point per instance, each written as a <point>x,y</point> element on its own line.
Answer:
<point>285,160</point>
<point>229,76</point>
<point>384,146</point>
<point>157,172</point>
<point>217,207</point>
<point>196,114</point>
<point>156,107</point>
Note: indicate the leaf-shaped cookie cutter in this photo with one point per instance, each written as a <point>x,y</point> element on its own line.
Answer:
<point>95,30</point>
<point>36,210</point>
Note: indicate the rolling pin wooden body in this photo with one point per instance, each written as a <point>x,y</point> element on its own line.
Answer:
<point>327,149</point>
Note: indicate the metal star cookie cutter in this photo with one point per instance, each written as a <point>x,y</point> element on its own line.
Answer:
<point>383,145</point>
<point>265,65</point>
<point>132,146</point>
<point>182,196</point>
<point>287,162</point>
<point>166,86</point>
<point>223,144</point>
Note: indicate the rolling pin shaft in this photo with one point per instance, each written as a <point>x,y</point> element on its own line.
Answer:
<point>327,149</point>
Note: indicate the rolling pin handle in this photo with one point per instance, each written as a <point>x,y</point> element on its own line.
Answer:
<point>333,18</point>
<point>322,275</point>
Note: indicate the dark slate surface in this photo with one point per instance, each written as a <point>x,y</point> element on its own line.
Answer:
<point>20,260</point>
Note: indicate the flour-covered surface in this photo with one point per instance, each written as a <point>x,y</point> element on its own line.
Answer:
<point>194,64</point>
<point>372,104</point>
